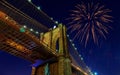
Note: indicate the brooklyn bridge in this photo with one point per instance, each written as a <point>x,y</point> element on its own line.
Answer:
<point>50,45</point>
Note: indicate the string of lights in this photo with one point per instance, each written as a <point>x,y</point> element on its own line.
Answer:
<point>24,27</point>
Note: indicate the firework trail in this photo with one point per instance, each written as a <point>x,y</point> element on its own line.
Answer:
<point>90,21</point>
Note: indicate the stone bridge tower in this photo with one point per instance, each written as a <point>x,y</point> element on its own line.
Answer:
<point>61,65</point>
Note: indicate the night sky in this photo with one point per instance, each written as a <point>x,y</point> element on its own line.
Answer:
<point>103,59</point>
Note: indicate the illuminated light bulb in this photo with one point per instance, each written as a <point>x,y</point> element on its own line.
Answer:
<point>75,48</point>
<point>86,74</point>
<point>78,68</point>
<point>79,55</point>
<point>51,18</point>
<point>38,8</point>
<point>25,26</point>
<point>29,0</point>
<point>54,27</point>
<point>70,40</point>
<point>73,44</point>
<point>95,73</point>
<point>81,58</point>
<point>56,22</point>
<point>31,29</point>
<point>6,17</point>
<point>36,32</point>
<point>67,35</point>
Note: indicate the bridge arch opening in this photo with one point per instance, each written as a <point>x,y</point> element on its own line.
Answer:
<point>57,45</point>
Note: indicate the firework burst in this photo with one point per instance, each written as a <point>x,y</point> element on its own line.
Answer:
<point>90,21</point>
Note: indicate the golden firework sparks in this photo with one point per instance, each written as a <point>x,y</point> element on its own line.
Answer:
<point>90,21</point>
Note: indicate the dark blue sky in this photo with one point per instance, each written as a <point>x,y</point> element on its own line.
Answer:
<point>104,59</point>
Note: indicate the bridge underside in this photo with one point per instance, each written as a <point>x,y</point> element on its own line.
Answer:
<point>22,44</point>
